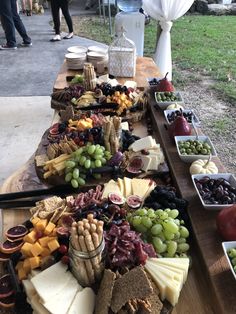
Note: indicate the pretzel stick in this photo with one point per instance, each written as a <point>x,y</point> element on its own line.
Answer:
<point>88,263</point>
<point>90,217</point>
<point>91,248</point>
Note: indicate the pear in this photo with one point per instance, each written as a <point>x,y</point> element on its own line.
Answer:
<point>165,85</point>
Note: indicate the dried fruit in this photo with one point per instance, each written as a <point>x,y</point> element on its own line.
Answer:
<point>4,257</point>
<point>116,198</point>
<point>135,165</point>
<point>6,288</point>
<point>8,301</point>
<point>63,249</point>
<point>11,247</point>
<point>16,232</point>
<point>134,201</point>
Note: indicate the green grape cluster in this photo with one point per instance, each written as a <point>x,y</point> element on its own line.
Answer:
<point>232,256</point>
<point>84,158</point>
<point>163,229</point>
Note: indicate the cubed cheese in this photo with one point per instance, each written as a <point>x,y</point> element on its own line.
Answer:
<point>35,220</point>
<point>31,237</point>
<point>85,301</point>
<point>41,225</point>
<point>26,265</point>
<point>26,249</point>
<point>45,252</point>
<point>53,245</point>
<point>49,228</point>
<point>21,274</point>
<point>36,249</point>
<point>34,262</point>
<point>44,241</point>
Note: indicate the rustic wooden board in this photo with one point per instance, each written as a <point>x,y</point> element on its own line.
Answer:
<point>145,67</point>
<point>203,223</point>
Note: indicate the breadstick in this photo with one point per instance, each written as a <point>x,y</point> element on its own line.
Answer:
<point>93,228</point>
<point>88,263</point>
<point>100,233</point>
<point>96,244</point>
<point>87,226</point>
<point>90,217</point>
<point>80,230</point>
<point>91,248</point>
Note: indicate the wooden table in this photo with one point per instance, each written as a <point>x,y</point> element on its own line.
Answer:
<point>145,68</point>
<point>210,286</point>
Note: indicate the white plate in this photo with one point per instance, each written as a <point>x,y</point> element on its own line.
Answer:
<point>96,55</point>
<point>191,158</point>
<point>226,246</point>
<point>98,49</point>
<point>77,49</point>
<point>165,104</point>
<point>196,120</point>
<point>72,55</point>
<point>227,176</point>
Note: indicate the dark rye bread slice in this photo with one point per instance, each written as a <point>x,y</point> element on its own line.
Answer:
<point>132,285</point>
<point>103,299</point>
<point>154,300</point>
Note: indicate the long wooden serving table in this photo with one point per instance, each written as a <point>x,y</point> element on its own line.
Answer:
<point>210,285</point>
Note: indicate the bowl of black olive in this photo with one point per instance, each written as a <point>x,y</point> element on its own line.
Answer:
<point>216,191</point>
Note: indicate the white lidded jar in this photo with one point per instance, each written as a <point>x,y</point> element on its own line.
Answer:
<point>129,5</point>
<point>122,57</point>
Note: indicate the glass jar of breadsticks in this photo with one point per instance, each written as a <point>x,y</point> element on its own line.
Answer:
<point>86,250</point>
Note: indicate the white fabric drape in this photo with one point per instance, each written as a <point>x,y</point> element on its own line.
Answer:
<point>165,11</point>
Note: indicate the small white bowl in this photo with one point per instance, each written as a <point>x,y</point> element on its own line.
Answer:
<point>226,246</point>
<point>196,120</point>
<point>77,49</point>
<point>227,176</point>
<point>165,104</point>
<point>191,158</point>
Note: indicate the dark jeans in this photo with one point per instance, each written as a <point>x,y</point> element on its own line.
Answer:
<point>55,6</point>
<point>11,20</point>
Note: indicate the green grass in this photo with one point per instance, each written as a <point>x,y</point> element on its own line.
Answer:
<point>204,44</point>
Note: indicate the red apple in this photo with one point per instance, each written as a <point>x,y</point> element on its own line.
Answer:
<point>226,223</point>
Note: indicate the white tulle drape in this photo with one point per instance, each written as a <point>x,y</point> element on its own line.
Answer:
<point>165,11</point>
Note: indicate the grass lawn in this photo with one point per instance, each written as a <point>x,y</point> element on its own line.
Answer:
<point>199,43</point>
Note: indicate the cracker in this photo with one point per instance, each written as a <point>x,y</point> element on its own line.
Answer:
<point>41,160</point>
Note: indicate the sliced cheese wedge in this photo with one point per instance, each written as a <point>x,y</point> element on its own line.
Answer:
<point>51,281</point>
<point>140,186</point>
<point>175,274</point>
<point>84,302</point>
<point>110,187</point>
<point>37,306</point>
<point>144,143</point>
<point>62,301</point>
<point>128,187</point>
<point>121,186</point>
<point>146,163</point>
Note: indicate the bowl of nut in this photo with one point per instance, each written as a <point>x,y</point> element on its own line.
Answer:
<point>188,114</point>
<point>164,99</point>
<point>229,249</point>
<point>216,191</point>
<point>191,148</point>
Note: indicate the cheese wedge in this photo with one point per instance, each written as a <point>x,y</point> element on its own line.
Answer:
<point>140,186</point>
<point>37,306</point>
<point>146,162</point>
<point>149,190</point>
<point>51,281</point>
<point>62,301</point>
<point>128,187</point>
<point>84,301</point>
<point>144,143</point>
<point>121,186</point>
<point>110,187</point>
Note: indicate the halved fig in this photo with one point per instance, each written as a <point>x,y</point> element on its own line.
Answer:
<point>54,131</point>
<point>18,231</point>
<point>6,288</point>
<point>4,257</point>
<point>8,301</point>
<point>116,198</point>
<point>135,165</point>
<point>11,247</point>
<point>63,232</point>
<point>14,239</point>
<point>134,201</point>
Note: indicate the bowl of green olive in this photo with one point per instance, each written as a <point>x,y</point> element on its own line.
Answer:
<point>191,148</point>
<point>229,248</point>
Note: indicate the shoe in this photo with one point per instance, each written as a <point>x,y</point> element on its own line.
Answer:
<point>6,47</point>
<point>87,8</point>
<point>68,36</point>
<point>56,38</point>
<point>23,44</point>
<point>28,12</point>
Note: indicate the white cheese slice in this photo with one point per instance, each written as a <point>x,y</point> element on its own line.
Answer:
<point>51,281</point>
<point>62,301</point>
<point>146,162</point>
<point>29,288</point>
<point>128,187</point>
<point>84,302</point>
<point>149,190</point>
<point>37,306</point>
<point>110,187</point>
<point>131,84</point>
<point>174,274</point>
<point>154,162</point>
<point>143,143</point>
<point>140,186</point>
<point>121,186</point>
<point>125,126</point>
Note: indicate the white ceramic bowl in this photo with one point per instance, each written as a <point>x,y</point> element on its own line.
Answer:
<point>196,120</point>
<point>77,49</point>
<point>165,104</point>
<point>226,246</point>
<point>227,176</point>
<point>191,158</point>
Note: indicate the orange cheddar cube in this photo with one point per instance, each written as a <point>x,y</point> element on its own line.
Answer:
<point>44,241</point>
<point>35,220</point>
<point>22,274</point>
<point>54,233</point>
<point>26,249</point>
<point>26,266</point>
<point>45,252</point>
<point>53,245</point>
<point>36,249</point>
<point>19,265</point>
<point>49,228</point>
<point>34,262</point>
<point>31,237</point>
<point>41,225</point>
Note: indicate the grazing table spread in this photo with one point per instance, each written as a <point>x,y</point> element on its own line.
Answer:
<point>210,284</point>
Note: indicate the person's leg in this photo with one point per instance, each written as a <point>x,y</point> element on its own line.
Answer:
<point>23,6</point>
<point>18,23</point>
<point>65,12</point>
<point>7,22</point>
<point>30,6</point>
<point>55,15</point>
